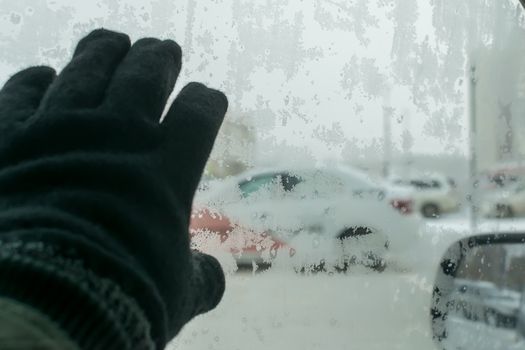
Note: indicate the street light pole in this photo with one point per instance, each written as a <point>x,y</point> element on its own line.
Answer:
<point>473,149</point>
<point>387,141</point>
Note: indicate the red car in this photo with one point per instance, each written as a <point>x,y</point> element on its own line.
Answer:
<point>215,234</point>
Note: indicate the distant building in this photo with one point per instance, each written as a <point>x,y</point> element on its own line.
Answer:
<point>234,148</point>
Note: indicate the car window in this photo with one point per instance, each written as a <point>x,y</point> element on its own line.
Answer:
<point>482,272</point>
<point>425,185</point>
<point>321,184</point>
<point>289,181</point>
<point>330,101</point>
<point>259,183</point>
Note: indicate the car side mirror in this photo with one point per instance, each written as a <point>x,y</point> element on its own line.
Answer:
<point>478,300</point>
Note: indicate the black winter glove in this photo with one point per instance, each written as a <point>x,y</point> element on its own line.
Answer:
<point>96,193</point>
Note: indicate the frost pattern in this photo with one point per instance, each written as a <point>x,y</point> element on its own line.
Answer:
<point>316,83</point>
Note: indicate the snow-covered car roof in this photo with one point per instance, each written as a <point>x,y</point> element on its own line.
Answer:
<point>339,170</point>
<point>420,176</point>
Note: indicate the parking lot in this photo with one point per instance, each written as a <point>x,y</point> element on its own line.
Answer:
<point>280,309</point>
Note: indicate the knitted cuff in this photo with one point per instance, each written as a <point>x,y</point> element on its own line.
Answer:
<point>93,311</point>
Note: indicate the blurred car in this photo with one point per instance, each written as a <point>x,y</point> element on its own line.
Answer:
<point>483,301</point>
<point>318,217</point>
<point>505,203</point>
<point>434,194</point>
<point>502,175</point>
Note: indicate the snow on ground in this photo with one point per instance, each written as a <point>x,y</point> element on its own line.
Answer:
<point>280,309</point>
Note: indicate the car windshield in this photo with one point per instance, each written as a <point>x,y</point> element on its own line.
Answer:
<point>259,183</point>
<point>332,105</point>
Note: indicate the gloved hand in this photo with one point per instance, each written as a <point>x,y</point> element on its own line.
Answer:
<point>96,191</point>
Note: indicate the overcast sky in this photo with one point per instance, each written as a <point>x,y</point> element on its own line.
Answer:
<point>310,74</point>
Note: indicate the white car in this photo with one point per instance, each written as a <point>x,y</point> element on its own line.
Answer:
<point>505,203</point>
<point>434,195</point>
<point>329,216</point>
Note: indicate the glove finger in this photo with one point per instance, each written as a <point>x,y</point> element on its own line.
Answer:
<point>190,127</point>
<point>83,82</point>
<point>208,283</point>
<point>23,92</point>
<point>145,78</point>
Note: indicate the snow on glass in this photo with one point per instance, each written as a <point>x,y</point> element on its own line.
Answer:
<point>329,101</point>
